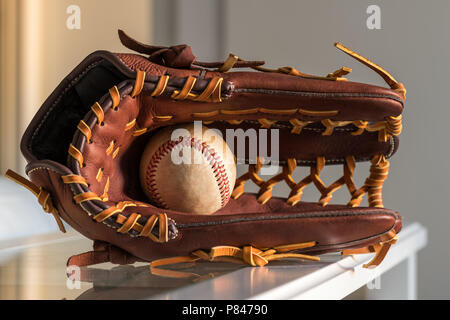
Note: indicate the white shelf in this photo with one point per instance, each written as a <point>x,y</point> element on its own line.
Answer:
<point>334,277</point>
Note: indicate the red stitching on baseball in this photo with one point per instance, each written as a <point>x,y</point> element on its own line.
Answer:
<point>208,153</point>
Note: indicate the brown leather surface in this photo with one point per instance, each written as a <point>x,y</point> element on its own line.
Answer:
<point>333,227</point>
<point>124,168</point>
<point>354,100</point>
<point>309,145</point>
<point>243,221</point>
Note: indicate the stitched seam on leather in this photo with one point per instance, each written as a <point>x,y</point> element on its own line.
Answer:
<point>70,186</point>
<point>319,94</point>
<point>150,173</point>
<point>62,207</point>
<point>110,221</point>
<point>341,244</point>
<point>66,90</point>
<point>331,161</point>
<point>81,204</point>
<point>391,149</point>
<point>59,173</point>
<point>208,153</point>
<point>333,214</point>
<point>227,86</point>
<point>285,126</point>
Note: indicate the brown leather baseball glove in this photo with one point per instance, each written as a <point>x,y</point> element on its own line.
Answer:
<point>84,145</point>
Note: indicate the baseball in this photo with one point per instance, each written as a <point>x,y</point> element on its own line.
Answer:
<point>188,168</point>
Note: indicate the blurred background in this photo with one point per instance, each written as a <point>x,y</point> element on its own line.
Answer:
<point>41,41</point>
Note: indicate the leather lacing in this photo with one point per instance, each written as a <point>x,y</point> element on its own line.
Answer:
<point>212,93</point>
<point>380,249</point>
<point>181,56</point>
<point>42,195</point>
<point>248,255</point>
<point>253,256</point>
<point>392,126</point>
<point>128,223</point>
<point>373,185</point>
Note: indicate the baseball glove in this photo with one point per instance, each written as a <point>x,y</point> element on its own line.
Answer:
<point>84,144</point>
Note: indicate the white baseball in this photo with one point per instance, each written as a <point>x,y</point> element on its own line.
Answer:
<point>188,168</point>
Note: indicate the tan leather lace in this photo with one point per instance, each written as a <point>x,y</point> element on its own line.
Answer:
<point>373,184</point>
<point>181,56</point>
<point>392,126</point>
<point>337,75</point>
<point>390,80</point>
<point>248,255</point>
<point>42,195</point>
<point>260,257</point>
<point>380,249</point>
<point>127,223</point>
<point>212,93</point>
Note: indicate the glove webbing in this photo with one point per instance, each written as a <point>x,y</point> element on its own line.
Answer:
<point>373,185</point>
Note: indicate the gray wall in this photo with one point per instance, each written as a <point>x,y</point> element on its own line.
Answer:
<point>413,45</point>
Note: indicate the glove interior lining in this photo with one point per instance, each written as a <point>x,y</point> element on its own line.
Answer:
<point>75,101</point>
